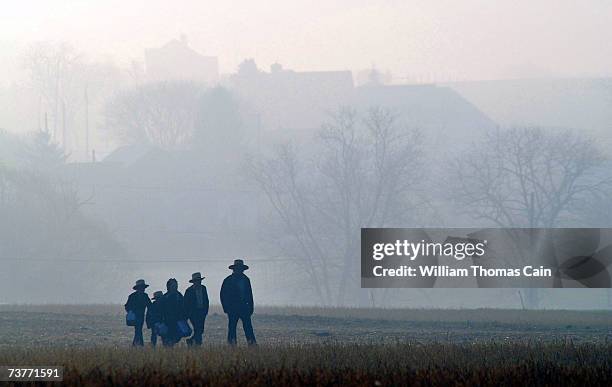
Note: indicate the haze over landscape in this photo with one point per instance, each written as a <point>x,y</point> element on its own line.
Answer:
<point>438,40</point>
<point>153,139</point>
<point>306,193</point>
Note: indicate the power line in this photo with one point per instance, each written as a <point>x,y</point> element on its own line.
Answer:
<point>166,188</point>
<point>148,260</point>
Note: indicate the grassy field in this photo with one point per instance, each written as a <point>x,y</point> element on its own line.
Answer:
<point>305,346</point>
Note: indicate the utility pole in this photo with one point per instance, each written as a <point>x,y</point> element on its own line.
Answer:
<point>38,113</point>
<point>86,123</point>
<point>532,294</point>
<point>64,125</point>
<point>56,100</point>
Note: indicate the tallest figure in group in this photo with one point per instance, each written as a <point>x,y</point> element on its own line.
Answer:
<point>237,302</point>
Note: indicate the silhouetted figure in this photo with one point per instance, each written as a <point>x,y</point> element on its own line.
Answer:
<point>196,308</point>
<point>237,301</point>
<point>173,311</point>
<point>136,305</point>
<point>154,316</point>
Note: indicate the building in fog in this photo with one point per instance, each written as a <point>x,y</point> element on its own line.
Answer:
<point>293,105</point>
<point>446,118</point>
<point>291,100</point>
<point>175,60</point>
<point>581,104</point>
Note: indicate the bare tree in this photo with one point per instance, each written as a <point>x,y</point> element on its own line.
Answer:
<point>42,220</point>
<point>362,172</point>
<point>163,113</point>
<point>70,90</point>
<point>528,177</point>
<point>52,70</point>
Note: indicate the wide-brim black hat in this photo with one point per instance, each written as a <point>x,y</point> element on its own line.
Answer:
<point>196,277</point>
<point>238,264</point>
<point>140,284</point>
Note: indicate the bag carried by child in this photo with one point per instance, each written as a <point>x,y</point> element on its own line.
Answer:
<point>161,329</point>
<point>183,329</point>
<point>130,318</point>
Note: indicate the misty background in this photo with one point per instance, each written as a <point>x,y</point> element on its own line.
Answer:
<point>151,140</point>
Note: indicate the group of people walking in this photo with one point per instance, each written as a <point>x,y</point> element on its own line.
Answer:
<point>168,314</point>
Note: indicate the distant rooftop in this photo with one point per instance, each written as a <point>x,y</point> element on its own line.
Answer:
<point>176,60</point>
<point>574,103</point>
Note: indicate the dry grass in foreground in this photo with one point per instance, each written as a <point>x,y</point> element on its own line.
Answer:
<point>430,364</point>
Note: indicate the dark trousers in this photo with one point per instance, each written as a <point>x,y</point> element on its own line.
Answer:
<point>198,329</point>
<point>154,336</point>
<point>138,339</point>
<point>172,336</point>
<point>168,341</point>
<point>232,322</point>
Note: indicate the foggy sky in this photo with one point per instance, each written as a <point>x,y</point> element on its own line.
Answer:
<point>445,40</point>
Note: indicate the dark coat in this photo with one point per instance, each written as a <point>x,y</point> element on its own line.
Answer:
<point>138,302</point>
<point>154,314</point>
<point>190,300</point>
<point>173,308</point>
<point>235,302</point>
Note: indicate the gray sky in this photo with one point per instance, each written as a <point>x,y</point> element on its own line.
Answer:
<point>467,39</point>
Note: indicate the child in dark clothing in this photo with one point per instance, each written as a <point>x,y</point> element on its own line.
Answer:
<point>154,316</point>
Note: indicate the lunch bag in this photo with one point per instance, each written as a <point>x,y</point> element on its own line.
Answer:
<point>130,319</point>
<point>161,329</point>
<point>183,329</point>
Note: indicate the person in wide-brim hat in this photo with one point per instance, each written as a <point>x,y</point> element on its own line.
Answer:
<point>238,265</point>
<point>140,284</point>
<point>196,277</point>
<point>138,302</point>
<point>237,302</point>
<point>196,304</point>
